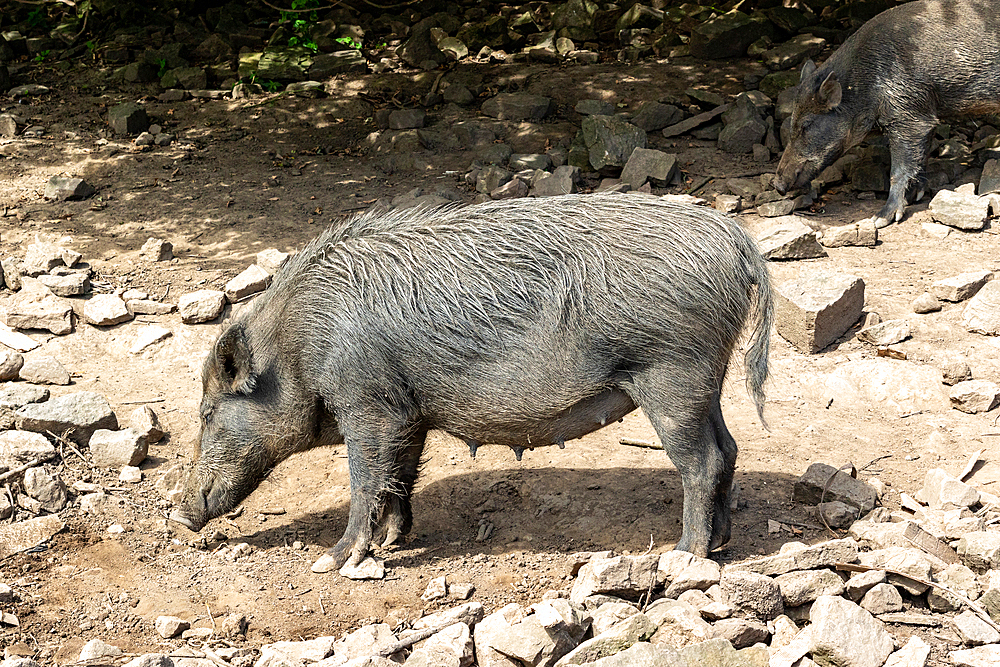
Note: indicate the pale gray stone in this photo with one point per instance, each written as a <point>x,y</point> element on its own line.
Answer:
<point>959,210</point>
<point>65,187</point>
<point>910,561</point>
<point>982,313</point>
<point>105,310</point>
<point>512,637</point>
<point>960,287</point>
<point>787,237</point>
<point>801,557</point>
<point>517,107</point>
<point>816,309</point>
<point>804,586</point>
<point>958,578</point>
<point>677,624</point>
<point>620,636</point>
<point>981,656</point>
<point>156,250</point>
<point>70,284</point>
<point>170,484</point>
<point>741,632</point>
<point>16,395</point>
<point>148,307</point>
<point>17,537</point>
<point>843,633</point>
<point>885,333</point>
<point>96,648</point>
<point>10,364</point>
<point>980,550</point>
<point>972,396</point>
<point>253,279</point>
<point>816,484</point>
<point>280,654</point>
<point>36,307</point>
<point>615,576</point>
<point>973,630</point>
<point>144,421</point>
<point>452,646</point>
<point>436,589</point>
<point>646,164</point>
<point>610,140</point>
<point>862,582</point>
<point>720,653</point>
<point>272,259</point>
<point>49,490</point>
<point>956,372</point>
<point>369,568</point>
<point>115,449</point>
<point>755,594</point>
<point>882,599</point>
<point>563,180</point>
<point>610,613</point>
<point>941,489</point>
<point>701,573</point>
<point>44,369</point>
<point>170,626</point>
<point>201,306</point>
<point>147,336</point>
<point>926,303</point>
<point>914,653</point>
<point>365,641</point>
<point>863,234</point>
<point>78,415</point>
<point>19,447</point>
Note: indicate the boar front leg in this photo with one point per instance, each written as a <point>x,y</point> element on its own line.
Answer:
<point>909,141</point>
<point>376,443</point>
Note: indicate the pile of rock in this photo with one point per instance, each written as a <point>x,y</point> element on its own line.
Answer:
<point>862,600</point>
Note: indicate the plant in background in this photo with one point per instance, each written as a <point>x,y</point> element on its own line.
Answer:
<point>162,62</point>
<point>42,55</point>
<point>349,42</point>
<point>38,18</point>
<point>302,23</point>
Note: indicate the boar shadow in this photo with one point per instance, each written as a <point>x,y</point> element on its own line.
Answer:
<point>561,509</point>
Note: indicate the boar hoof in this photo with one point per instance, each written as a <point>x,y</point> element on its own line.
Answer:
<point>324,563</point>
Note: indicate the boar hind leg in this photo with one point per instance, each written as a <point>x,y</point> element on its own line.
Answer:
<point>698,443</point>
<point>908,146</point>
<point>397,517</point>
<point>374,442</point>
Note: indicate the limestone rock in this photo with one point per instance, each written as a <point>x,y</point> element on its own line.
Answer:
<point>843,633</point>
<point>79,414</point>
<point>787,237</point>
<point>201,306</point>
<point>116,449</point>
<point>975,396</point>
<point>982,313</point>
<point>818,308</point>
<point>105,310</point>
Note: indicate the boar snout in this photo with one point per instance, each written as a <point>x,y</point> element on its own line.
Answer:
<point>181,518</point>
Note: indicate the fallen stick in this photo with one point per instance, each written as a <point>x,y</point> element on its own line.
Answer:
<point>18,470</point>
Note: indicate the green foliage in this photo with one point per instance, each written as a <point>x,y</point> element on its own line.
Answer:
<point>349,41</point>
<point>162,62</point>
<point>270,86</point>
<point>302,23</point>
<point>38,18</point>
<point>42,55</point>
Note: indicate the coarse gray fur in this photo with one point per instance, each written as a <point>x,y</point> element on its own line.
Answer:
<point>524,323</point>
<point>901,71</point>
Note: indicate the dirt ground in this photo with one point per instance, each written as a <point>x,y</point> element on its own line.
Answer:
<point>247,175</point>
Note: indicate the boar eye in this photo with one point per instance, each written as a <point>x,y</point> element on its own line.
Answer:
<point>206,415</point>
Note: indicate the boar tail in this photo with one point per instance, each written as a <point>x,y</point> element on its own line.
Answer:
<point>755,361</point>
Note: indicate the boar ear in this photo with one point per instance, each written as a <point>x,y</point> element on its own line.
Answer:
<point>234,360</point>
<point>807,69</point>
<point>829,93</point>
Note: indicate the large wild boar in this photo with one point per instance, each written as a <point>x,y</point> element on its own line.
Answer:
<point>522,323</point>
<point>900,72</point>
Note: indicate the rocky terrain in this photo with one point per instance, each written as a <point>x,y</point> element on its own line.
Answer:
<point>154,175</point>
